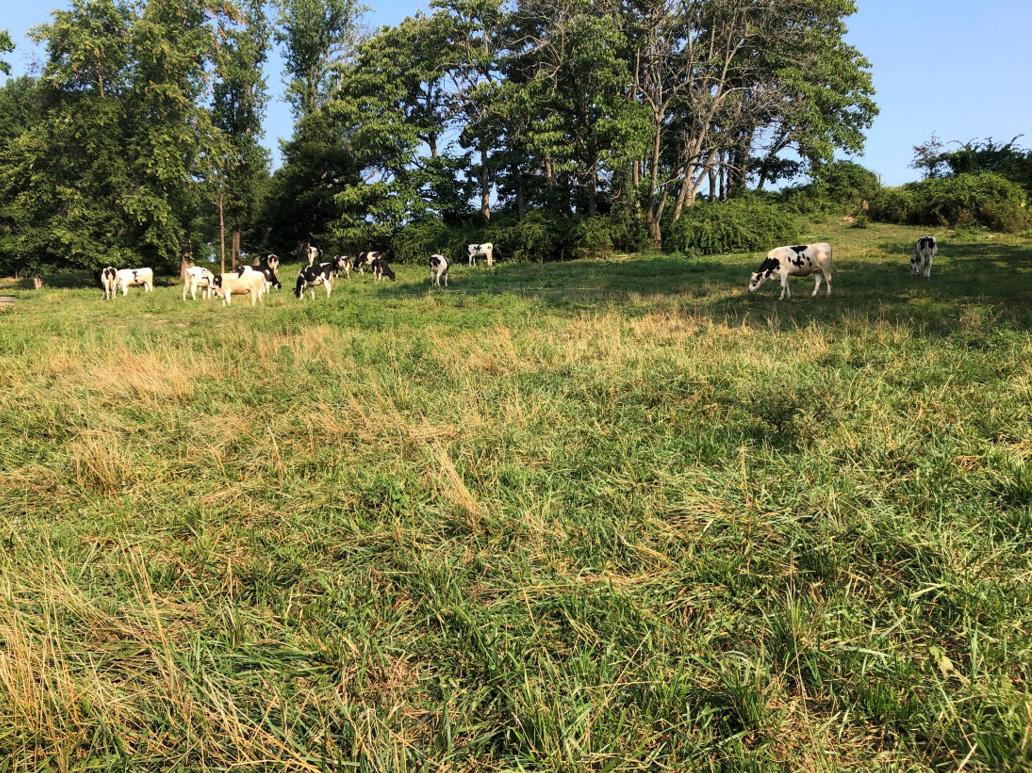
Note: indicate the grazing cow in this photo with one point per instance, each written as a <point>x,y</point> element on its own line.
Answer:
<point>271,280</point>
<point>485,251</point>
<point>365,259</point>
<point>795,261</point>
<point>926,249</point>
<point>268,266</point>
<point>311,277</point>
<point>135,277</point>
<point>109,282</point>
<point>342,263</point>
<point>248,282</point>
<point>381,270</point>
<point>198,278</point>
<point>438,270</point>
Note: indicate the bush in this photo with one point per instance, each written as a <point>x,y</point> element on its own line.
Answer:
<point>967,200</point>
<point>628,232</point>
<point>537,237</point>
<point>593,238</point>
<point>846,185</point>
<point>738,225</point>
<point>416,242</point>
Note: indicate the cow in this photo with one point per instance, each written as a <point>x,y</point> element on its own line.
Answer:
<point>801,260</point>
<point>248,282</point>
<point>198,278</point>
<point>381,270</point>
<point>311,277</point>
<point>271,279</point>
<point>365,259</point>
<point>309,252</point>
<point>921,263</point>
<point>485,251</point>
<point>342,263</point>
<point>135,277</point>
<point>268,266</point>
<point>108,282</point>
<point>438,270</point>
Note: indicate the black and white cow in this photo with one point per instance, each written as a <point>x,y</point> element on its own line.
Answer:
<point>438,270</point>
<point>342,263</point>
<point>801,260</point>
<point>269,266</point>
<point>308,252</point>
<point>381,270</point>
<point>198,278</point>
<point>109,282</point>
<point>365,259</point>
<point>921,263</point>
<point>311,277</point>
<point>135,277</point>
<point>486,251</point>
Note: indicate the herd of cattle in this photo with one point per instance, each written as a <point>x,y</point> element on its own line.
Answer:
<point>257,279</point>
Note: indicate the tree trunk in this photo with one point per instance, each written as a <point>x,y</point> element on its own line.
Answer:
<point>485,187</point>
<point>222,235</point>
<point>592,193</point>
<point>234,249</point>
<point>37,282</point>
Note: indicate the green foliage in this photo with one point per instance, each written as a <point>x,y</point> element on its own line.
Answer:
<point>416,242</point>
<point>985,200</point>
<point>6,47</point>
<point>1006,159</point>
<point>739,225</point>
<point>593,238</point>
<point>846,186</point>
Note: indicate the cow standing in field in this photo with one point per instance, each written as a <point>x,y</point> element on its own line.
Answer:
<point>485,251</point>
<point>251,283</point>
<point>135,277</point>
<point>921,263</point>
<point>438,270</point>
<point>109,282</point>
<point>271,279</point>
<point>801,260</point>
<point>198,278</point>
<point>309,252</point>
<point>381,270</point>
<point>311,277</point>
<point>365,259</point>
<point>342,263</point>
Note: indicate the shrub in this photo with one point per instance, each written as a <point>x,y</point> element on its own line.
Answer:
<point>805,200</point>
<point>628,232</point>
<point>894,205</point>
<point>846,185</point>
<point>593,238</point>
<point>738,225</point>
<point>538,237</point>
<point>416,242</point>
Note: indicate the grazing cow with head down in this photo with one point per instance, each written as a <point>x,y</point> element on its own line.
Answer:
<point>926,249</point>
<point>251,283</point>
<point>311,277</point>
<point>485,251</point>
<point>109,282</point>
<point>342,263</point>
<point>438,270</point>
<point>801,260</point>
<point>135,277</point>
<point>381,270</point>
<point>198,278</point>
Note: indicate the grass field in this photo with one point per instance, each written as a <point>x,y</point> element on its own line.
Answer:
<point>592,516</point>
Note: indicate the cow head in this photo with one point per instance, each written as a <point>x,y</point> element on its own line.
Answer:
<point>766,270</point>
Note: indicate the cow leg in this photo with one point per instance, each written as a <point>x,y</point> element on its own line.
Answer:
<point>827,281</point>
<point>784,287</point>
<point>816,284</point>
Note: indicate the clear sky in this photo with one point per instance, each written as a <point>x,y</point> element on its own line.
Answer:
<point>959,68</point>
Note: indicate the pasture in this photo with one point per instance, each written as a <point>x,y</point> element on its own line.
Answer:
<point>599,515</point>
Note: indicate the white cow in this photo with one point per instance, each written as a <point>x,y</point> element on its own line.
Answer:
<point>109,282</point>
<point>251,283</point>
<point>485,251</point>
<point>198,278</point>
<point>438,270</point>
<point>135,277</point>
<point>926,249</point>
<point>801,260</point>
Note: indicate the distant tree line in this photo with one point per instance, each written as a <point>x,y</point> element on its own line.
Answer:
<point>139,140</point>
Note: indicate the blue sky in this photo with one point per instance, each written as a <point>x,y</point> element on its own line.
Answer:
<point>959,68</point>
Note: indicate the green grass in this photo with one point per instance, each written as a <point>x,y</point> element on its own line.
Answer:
<point>592,516</point>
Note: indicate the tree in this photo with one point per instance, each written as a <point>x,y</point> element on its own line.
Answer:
<point>6,47</point>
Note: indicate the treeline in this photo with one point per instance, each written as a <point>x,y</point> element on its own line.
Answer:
<point>604,120</point>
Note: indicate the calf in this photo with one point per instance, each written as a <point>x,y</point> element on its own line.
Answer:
<point>926,249</point>
<point>109,282</point>
<point>198,278</point>
<point>248,282</point>
<point>485,251</point>
<point>438,270</point>
<point>311,277</point>
<point>271,280</point>
<point>135,277</point>
<point>381,270</point>
<point>365,259</point>
<point>795,261</point>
